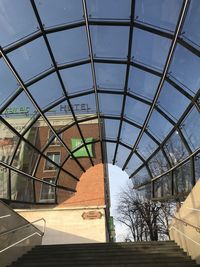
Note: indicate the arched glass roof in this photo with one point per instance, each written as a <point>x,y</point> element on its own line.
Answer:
<point>131,65</point>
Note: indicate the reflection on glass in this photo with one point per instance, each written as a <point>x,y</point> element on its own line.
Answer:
<point>158,164</point>
<point>143,83</point>
<point>104,9</point>
<point>162,186</point>
<point>146,146</point>
<point>159,126</point>
<point>168,92</point>
<point>133,164</point>
<point>48,191</point>
<point>122,155</point>
<point>141,177</point>
<point>110,148</point>
<point>46,91</point>
<point>110,76</point>
<point>17,21</point>
<point>21,187</point>
<point>8,83</point>
<point>8,143</point>
<point>190,128</point>
<point>25,158</point>
<point>184,68</point>
<point>183,179</point>
<point>31,59</point>
<point>135,110</point>
<point>190,30</point>
<point>129,133</point>
<point>105,41</point>
<point>20,112</point>
<point>143,42</point>
<point>162,14</point>
<point>110,104</point>
<point>70,45</point>
<point>59,12</point>
<point>175,149</point>
<point>145,191</point>
<point>4,182</point>
<point>111,128</point>
<point>84,81</point>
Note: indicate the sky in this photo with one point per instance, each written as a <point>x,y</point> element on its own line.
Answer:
<point>118,179</point>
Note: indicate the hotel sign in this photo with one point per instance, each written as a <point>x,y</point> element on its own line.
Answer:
<point>76,107</point>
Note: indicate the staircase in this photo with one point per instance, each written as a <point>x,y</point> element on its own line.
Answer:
<point>138,254</point>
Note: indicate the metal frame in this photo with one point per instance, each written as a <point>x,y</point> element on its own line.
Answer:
<point>86,22</point>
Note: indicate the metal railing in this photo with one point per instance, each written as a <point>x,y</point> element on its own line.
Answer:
<point>187,223</point>
<point>37,232</point>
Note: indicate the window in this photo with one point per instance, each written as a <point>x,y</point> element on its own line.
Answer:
<point>54,156</point>
<point>55,141</point>
<point>48,191</point>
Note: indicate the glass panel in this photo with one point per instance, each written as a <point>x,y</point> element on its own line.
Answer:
<point>17,21</point>
<point>169,92</point>
<point>112,9</point>
<point>190,30</point>
<point>45,169</point>
<point>183,179</point>
<point>159,126</point>
<point>110,76</point>
<point>158,164</point>
<point>145,191</point>
<point>20,112</point>
<point>197,167</point>
<point>83,105</point>
<point>55,157</point>
<point>105,41</point>
<point>190,128</point>
<point>162,186</point>
<point>143,42</point>
<point>4,183</point>
<point>184,68</point>
<point>111,128</point>
<point>133,164</point>
<point>25,158</point>
<point>31,59</point>
<point>143,83</point>
<point>135,110</point>
<point>146,146</point>
<point>69,45</point>
<point>110,148</point>
<point>8,143</point>
<point>8,83</point>
<point>162,14</point>
<point>46,91</point>
<point>110,104</point>
<point>59,12</point>
<point>129,133</point>
<point>122,155</point>
<point>175,149</point>
<point>141,177</point>
<point>84,81</point>
<point>48,191</point>
<point>21,187</point>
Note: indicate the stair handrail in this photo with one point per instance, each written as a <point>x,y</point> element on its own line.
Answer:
<point>20,241</point>
<point>172,227</point>
<point>26,225</point>
<point>187,223</point>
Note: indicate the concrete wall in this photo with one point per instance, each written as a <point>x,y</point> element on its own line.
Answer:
<point>186,236</point>
<point>67,225</point>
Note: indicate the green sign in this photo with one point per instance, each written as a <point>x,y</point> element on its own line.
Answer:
<point>82,152</point>
<point>17,110</point>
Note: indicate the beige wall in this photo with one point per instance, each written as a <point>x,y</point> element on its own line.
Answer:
<point>66,225</point>
<point>186,236</point>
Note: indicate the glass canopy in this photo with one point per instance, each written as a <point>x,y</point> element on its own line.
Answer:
<point>131,66</point>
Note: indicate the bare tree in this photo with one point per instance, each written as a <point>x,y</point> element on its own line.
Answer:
<point>145,220</point>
